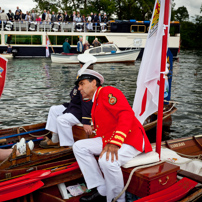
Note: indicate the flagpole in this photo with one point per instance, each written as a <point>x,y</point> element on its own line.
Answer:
<point>162,79</point>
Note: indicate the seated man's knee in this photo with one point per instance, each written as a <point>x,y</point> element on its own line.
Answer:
<point>63,120</point>
<point>77,146</point>
<point>104,163</point>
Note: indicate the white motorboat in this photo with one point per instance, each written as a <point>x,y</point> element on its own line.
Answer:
<point>106,53</point>
<point>7,55</point>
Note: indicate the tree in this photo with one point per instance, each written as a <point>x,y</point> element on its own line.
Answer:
<point>181,14</point>
<point>132,9</point>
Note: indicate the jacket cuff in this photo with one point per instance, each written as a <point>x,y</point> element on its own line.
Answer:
<point>118,138</point>
<point>86,120</point>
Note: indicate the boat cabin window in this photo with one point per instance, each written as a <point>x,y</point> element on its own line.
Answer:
<point>59,40</point>
<point>95,50</point>
<point>109,48</point>
<point>23,39</point>
<point>138,28</point>
<point>101,39</point>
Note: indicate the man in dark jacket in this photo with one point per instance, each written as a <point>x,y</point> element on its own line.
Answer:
<point>61,118</point>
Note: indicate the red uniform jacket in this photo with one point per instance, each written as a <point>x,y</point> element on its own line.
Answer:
<point>115,121</point>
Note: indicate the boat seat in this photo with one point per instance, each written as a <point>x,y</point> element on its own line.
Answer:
<point>142,159</point>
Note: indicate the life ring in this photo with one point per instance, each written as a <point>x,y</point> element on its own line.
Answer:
<point>31,28</point>
<point>79,27</point>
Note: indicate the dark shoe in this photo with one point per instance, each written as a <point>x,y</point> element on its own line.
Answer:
<point>94,197</point>
<point>47,143</point>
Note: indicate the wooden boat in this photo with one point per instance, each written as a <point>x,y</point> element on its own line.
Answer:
<point>34,172</point>
<point>36,132</point>
<point>106,53</point>
<point>186,146</point>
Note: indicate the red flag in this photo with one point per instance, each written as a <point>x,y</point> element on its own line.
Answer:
<point>47,44</point>
<point>3,67</point>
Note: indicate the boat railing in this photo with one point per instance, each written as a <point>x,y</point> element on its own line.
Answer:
<point>54,26</point>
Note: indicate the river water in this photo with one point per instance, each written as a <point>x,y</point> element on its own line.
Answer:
<point>33,85</point>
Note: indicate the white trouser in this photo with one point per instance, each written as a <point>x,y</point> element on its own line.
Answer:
<point>84,151</point>
<point>61,124</point>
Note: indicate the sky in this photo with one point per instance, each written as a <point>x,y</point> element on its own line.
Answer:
<point>193,7</point>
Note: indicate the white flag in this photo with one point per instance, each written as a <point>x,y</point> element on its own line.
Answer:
<point>147,92</point>
<point>47,44</point>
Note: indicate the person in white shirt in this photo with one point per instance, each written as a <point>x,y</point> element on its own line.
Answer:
<point>90,24</point>
<point>3,16</point>
<point>48,16</point>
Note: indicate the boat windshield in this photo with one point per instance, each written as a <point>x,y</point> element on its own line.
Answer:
<point>95,50</point>
<point>109,48</point>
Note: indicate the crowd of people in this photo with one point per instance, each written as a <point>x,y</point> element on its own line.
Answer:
<point>48,16</point>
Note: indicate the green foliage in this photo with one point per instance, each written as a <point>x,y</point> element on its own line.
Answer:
<point>181,14</point>
<point>191,34</point>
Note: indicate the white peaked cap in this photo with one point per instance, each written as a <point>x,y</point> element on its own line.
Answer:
<point>88,74</point>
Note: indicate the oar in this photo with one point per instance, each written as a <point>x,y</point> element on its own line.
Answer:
<point>39,174</point>
<point>23,190</point>
<point>25,133</point>
<point>20,186</point>
<point>190,175</point>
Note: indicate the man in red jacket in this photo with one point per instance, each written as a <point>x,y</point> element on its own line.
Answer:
<point>119,138</point>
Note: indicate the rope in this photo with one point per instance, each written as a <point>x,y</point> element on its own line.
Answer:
<point>170,108</point>
<point>130,177</point>
<point>32,134</point>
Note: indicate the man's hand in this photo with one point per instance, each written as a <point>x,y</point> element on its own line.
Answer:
<point>110,148</point>
<point>87,129</point>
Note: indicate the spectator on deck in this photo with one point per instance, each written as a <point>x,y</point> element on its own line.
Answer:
<point>89,23</point>
<point>33,16</point>
<point>48,16</point>
<point>92,17</point>
<point>59,17</point>
<point>83,18</point>
<point>73,16</point>
<point>100,17</point>
<point>43,15</point>
<point>38,19</point>
<point>66,17</point>
<point>26,16</point>
<point>18,10</point>
<point>3,16</point>
<point>53,17</point>
<point>105,19</point>
<point>17,16</point>
<point>10,15</point>
<point>78,18</point>
<point>22,16</point>
<point>95,18</point>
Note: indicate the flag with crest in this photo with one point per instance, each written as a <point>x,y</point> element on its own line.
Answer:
<point>147,92</point>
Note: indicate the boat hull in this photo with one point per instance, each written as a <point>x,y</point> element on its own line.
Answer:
<point>123,56</point>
